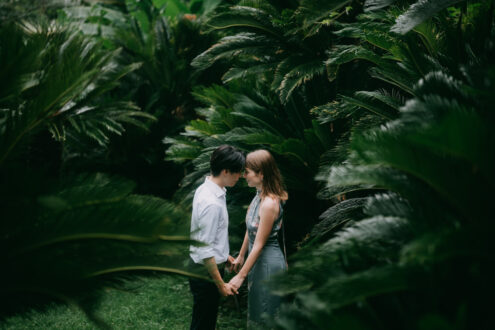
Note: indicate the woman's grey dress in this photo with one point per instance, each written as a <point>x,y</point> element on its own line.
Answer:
<point>270,262</point>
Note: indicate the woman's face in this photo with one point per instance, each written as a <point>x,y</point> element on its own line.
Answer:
<point>253,179</point>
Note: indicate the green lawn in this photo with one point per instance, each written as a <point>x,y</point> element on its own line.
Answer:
<point>152,303</point>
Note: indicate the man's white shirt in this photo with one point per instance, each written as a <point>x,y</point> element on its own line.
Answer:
<point>210,223</point>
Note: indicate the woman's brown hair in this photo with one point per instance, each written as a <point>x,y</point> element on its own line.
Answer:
<point>261,161</point>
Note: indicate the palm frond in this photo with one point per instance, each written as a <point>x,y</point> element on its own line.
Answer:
<point>243,73</point>
<point>336,217</point>
<point>396,76</point>
<point>242,44</point>
<point>343,254</point>
<point>65,80</point>
<point>252,136</point>
<point>182,149</point>
<point>314,11</point>
<point>368,101</point>
<point>297,76</point>
<point>83,228</point>
<point>342,54</point>
<point>419,12</point>
<point>249,18</point>
<point>370,5</point>
<point>334,110</point>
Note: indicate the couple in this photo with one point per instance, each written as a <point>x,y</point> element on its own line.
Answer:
<point>209,224</point>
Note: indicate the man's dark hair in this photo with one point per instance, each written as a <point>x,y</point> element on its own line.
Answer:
<point>228,158</point>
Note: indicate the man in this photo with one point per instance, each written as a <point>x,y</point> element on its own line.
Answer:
<point>209,225</point>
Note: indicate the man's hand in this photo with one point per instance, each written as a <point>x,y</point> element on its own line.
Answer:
<point>237,263</point>
<point>226,289</point>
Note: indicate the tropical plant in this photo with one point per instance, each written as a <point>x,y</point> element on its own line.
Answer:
<point>63,236</point>
<point>68,241</point>
<point>33,92</point>
<point>244,116</point>
<point>418,12</point>
<point>161,86</point>
<point>281,47</point>
<point>289,43</point>
<point>413,254</point>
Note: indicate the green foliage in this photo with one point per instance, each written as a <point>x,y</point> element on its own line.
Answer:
<point>417,13</point>
<point>419,240</point>
<point>81,232</point>
<point>161,86</point>
<point>63,237</point>
<point>249,118</point>
<point>289,44</point>
<point>403,96</point>
<point>156,302</point>
<point>54,76</point>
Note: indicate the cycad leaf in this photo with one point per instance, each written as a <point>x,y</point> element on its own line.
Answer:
<point>298,76</point>
<point>364,101</point>
<point>395,75</point>
<point>182,149</point>
<point>334,110</point>
<point>345,290</point>
<point>247,17</point>
<point>253,136</point>
<point>370,5</point>
<point>313,11</point>
<point>342,54</point>
<point>242,44</point>
<point>419,12</point>
<point>243,73</point>
<point>337,216</point>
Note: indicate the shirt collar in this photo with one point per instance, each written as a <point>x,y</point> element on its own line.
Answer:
<point>214,188</point>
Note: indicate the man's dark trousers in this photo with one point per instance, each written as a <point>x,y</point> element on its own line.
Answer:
<point>205,303</point>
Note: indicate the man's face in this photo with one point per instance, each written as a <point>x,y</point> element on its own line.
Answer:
<point>230,179</point>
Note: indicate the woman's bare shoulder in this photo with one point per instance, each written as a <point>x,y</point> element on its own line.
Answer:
<point>270,203</point>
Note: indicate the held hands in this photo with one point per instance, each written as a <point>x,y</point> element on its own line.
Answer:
<point>236,282</point>
<point>226,289</point>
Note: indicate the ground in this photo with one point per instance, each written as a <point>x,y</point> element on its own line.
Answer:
<point>151,303</point>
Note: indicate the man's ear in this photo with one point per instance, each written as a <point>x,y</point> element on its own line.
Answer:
<point>224,172</point>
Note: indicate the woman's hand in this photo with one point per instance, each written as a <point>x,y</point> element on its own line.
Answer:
<point>226,289</point>
<point>236,282</point>
<point>230,264</point>
<point>237,263</point>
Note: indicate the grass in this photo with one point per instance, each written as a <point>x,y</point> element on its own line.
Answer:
<point>153,303</point>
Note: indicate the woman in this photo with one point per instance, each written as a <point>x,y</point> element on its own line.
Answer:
<point>263,221</point>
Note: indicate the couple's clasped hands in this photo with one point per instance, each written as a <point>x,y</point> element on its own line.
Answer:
<point>235,283</point>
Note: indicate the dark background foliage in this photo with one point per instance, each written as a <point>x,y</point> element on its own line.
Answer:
<point>378,112</point>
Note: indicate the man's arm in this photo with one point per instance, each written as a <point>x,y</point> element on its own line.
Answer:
<point>210,216</point>
<point>225,289</point>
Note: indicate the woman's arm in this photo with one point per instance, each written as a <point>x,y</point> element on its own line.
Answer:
<point>239,261</point>
<point>269,210</point>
